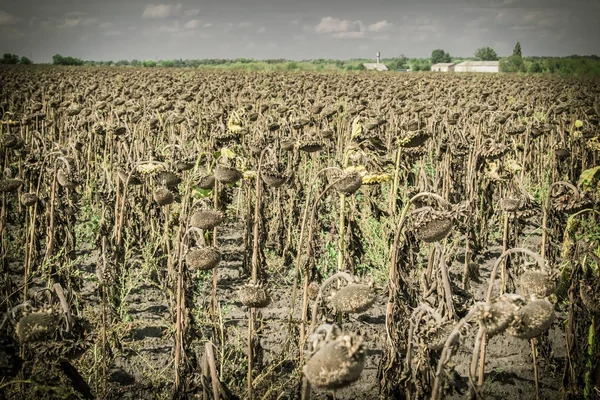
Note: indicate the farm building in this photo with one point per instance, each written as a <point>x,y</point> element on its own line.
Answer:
<point>443,67</point>
<point>478,66</point>
<point>376,66</point>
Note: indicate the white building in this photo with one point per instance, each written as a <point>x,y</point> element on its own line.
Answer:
<point>377,66</point>
<point>478,66</point>
<point>443,67</point>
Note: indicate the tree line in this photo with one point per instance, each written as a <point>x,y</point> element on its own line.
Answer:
<point>515,63</point>
<point>8,58</point>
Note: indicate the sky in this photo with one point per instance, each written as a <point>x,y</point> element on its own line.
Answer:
<point>294,29</point>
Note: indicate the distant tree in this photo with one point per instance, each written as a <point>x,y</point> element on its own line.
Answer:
<point>486,54</point>
<point>149,63</point>
<point>440,56</point>
<point>8,58</point>
<point>25,61</point>
<point>166,63</point>
<point>534,68</point>
<point>402,61</point>
<point>420,65</point>
<point>291,65</point>
<point>512,64</point>
<point>121,63</point>
<point>135,63</point>
<point>399,62</point>
<point>517,50</point>
<point>57,59</point>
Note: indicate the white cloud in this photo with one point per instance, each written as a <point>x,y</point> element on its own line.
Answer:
<point>161,11</point>
<point>379,26</point>
<point>178,30</point>
<point>192,24</point>
<point>6,18</point>
<point>546,19</point>
<point>245,24</point>
<point>192,12</point>
<point>349,35</point>
<point>334,25</point>
<point>262,29</point>
<point>347,29</point>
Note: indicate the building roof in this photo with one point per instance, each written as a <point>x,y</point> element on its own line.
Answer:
<point>375,67</point>
<point>480,63</point>
<point>443,65</point>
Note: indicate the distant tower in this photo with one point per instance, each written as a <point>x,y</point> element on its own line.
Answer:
<point>378,57</point>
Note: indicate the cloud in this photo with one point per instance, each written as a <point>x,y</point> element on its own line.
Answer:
<point>192,24</point>
<point>178,30</point>
<point>11,33</point>
<point>262,29</point>
<point>349,35</point>
<point>334,25</point>
<point>245,24</point>
<point>69,20</point>
<point>161,11</point>
<point>173,28</point>
<point>546,19</point>
<point>347,29</point>
<point>79,21</point>
<point>379,26</point>
<point>192,12</point>
<point>6,18</point>
<point>382,37</point>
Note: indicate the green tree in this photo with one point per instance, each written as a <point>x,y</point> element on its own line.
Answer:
<point>512,64</point>
<point>440,56</point>
<point>486,54</point>
<point>517,50</point>
<point>25,61</point>
<point>420,65</point>
<point>534,68</point>
<point>166,63</point>
<point>399,62</point>
<point>149,63</point>
<point>57,59</point>
<point>8,58</point>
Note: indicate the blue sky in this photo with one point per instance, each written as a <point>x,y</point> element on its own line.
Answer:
<point>113,30</point>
